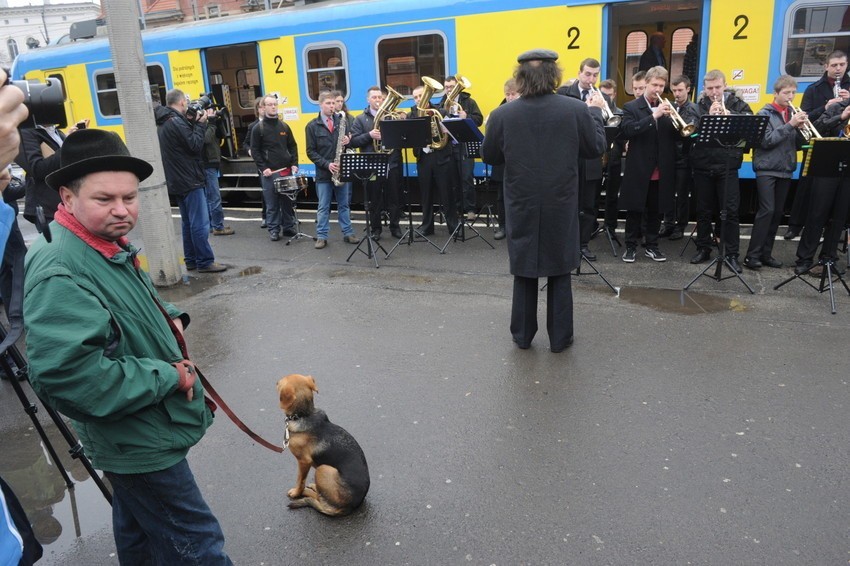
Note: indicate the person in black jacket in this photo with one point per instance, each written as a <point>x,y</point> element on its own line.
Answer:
<point>678,211</point>
<point>649,177</point>
<point>212,162</point>
<point>774,163</point>
<point>323,136</point>
<point>818,96</point>
<point>711,182</point>
<point>364,133</point>
<point>180,143</point>
<point>258,114</point>
<point>463,172</point>
<point>275,151</point>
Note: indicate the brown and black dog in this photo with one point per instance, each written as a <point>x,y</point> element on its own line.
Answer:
<point>342,476</point>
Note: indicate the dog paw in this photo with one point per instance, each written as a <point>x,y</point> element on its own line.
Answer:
<point>294,492</point>
<point>310,490</point>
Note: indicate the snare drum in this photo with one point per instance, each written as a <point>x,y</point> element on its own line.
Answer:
<point>289,186</point>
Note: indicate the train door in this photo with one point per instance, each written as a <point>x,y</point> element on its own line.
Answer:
<point>673,27</point>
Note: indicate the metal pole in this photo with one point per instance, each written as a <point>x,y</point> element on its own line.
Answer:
<point>134,96</point>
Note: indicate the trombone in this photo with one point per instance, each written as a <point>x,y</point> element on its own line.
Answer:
<point>685,130</point>
<point>807,129</point>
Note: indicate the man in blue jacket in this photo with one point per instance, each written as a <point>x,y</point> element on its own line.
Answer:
<point>108,352</point>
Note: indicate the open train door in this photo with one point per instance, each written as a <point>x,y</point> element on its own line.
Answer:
<point>632,26</point>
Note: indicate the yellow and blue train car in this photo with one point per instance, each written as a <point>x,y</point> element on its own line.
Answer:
<point>352,45</point>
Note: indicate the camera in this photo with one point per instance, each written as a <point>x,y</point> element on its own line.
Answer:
<point>199,106</point>
<point>45,101</point>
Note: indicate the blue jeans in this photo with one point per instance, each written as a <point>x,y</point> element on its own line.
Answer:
<point>279,213</point>
<point>326,190</point>
<point>195,220</point>
<point>161,518</point>
<point>213,193</point>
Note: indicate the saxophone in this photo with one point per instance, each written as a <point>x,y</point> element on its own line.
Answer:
<point>340,148</point>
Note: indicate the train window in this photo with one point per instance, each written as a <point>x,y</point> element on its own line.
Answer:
<point>403,61</point>
<point>636,43</point>
<point>680,51</point>
<point>326,69</point>
<point>107,92</point>
<point>12,46</point>
<point>248,87</point>
<point>813,30</point>
<point>216,79</point>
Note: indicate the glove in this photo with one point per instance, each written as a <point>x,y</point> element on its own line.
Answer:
<point>186,371</point>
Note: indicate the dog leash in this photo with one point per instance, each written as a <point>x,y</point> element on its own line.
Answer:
<point>236,420</point>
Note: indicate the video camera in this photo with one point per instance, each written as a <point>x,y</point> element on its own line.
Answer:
<point>201,105</point>
<point>45,101</point>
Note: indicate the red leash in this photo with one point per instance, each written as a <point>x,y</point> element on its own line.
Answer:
<point>236,420</point>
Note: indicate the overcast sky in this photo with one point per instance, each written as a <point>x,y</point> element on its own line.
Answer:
<point>14,3</point>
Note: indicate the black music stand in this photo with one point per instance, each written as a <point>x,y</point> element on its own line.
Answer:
<point>611,133</point>
<point>730,132</point>
<point>400,135</point>
<point>364,166</point>
<point>472,150</point>
<point>464,131</point>
<point>829,158</point>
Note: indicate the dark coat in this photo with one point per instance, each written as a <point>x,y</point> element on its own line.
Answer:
<point>777,155</point>
<point>32,160</point>
<point>360,138</point>
<point>591,169</point>
<point>540,140</point>
<point>715,160</point>
<point>181,144</point>
<point>321,144</point>
<point>651,144</point>
<point>465,100</point>
<point>816,95</point>
<point>272,145</point>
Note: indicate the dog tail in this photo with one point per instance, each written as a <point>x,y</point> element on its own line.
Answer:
<point>319,505</point>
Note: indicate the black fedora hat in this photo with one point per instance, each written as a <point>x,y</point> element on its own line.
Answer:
<point>91,151</point>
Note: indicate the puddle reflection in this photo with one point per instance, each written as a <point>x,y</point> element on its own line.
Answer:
<point>678,301</point>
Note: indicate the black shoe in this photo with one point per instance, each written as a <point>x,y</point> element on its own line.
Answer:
<point>499,234</point>
<point>274,236</point>
<point>426,231</point>
<point>702,256</point>
<point>263,224</point>
<point>559,349</point>
<point>654,254</point>
<point>589,255</point>
<point>802,267</point>
<point>289,232</point>
<point>376,235</point>
<point>522,345</point>
<point>665,231</point>
<point>733,263</point>
<point>629,255</point>
<point>677,234</point>
<point>791,233</point>
<point>753,263</point>
<point>396,232</point>
<point>771,261</point>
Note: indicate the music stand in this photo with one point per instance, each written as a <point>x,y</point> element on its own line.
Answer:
<point>730,132</point>
<point>364,166</point>
<point>472,150</point>
<point>828,158</point>
<point>611,133</point>
<point>464,130</point>
<point>400,135</point>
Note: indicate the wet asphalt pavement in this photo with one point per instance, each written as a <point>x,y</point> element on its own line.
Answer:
<point>709,432</point>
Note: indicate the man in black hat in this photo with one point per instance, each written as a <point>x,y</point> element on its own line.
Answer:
<point>108,352</point>
<point>540,138</point>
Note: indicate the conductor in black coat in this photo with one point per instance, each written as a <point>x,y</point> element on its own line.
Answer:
<point>540,138</point>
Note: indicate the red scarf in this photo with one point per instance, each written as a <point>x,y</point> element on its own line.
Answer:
<point>106,248</point>
<point>783,111</point>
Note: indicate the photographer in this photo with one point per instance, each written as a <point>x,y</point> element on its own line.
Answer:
<point>181,142</point>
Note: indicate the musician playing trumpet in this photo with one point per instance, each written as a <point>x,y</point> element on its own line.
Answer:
<point>774,164</point>
<point>677,211</point>
<point>710,174</point>
<point>649,175</point>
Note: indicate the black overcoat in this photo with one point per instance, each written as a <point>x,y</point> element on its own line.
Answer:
<point>651,144</point>
<point>540,140</point>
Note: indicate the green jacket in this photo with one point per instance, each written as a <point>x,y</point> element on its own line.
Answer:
<point>100,351</point>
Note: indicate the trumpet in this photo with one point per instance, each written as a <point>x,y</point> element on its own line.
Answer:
<point>807,129</point>
<point>608,116</point>
<point>721,99</point>
<point>685,129</point>
<point>836,90</point>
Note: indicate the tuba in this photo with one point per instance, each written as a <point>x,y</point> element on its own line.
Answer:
<point>439,138</point>
<point>386,111</point>
<point>451,96</point>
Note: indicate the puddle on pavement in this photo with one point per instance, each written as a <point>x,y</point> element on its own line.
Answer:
<point>200,283</point>
<point>58,515</point>
<point>678,301</point>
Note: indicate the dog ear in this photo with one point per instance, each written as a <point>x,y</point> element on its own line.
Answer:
<point>312,383</point>
<point>286,393</point>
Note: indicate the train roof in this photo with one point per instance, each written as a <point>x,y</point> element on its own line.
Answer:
<point>259,26</point>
